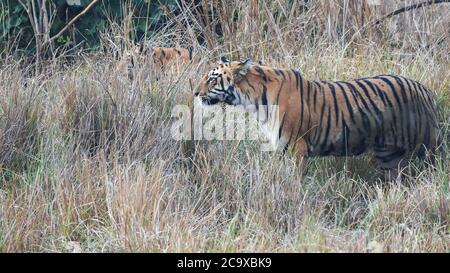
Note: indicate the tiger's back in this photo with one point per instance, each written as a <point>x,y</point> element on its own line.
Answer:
<point>391,115</point>
<point>165,56</point>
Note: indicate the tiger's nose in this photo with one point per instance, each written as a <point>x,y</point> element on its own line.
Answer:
<point>196,93</point>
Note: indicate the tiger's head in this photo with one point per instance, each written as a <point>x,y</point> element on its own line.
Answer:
<point>221,84</point>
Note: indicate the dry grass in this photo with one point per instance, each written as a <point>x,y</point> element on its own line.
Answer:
<point>87,162</point>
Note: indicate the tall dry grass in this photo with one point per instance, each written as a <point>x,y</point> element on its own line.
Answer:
<point>87,162</point>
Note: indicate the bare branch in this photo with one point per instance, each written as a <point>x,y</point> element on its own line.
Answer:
<point>411,7</point>
<point>27,8</point>
<point>72,21</point>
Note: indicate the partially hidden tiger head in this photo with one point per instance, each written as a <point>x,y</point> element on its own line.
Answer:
<point>166,55</point>
<point>223,83</point>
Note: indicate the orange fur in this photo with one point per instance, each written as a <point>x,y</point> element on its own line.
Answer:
<point>164,57</point>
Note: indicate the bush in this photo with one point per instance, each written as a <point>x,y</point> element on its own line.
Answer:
<point>146,17</point>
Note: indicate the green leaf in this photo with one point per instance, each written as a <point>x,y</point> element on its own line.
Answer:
<point>84,3</point>
<point>18,9</point>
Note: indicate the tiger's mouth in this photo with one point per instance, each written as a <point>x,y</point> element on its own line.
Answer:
<point>209,101</point>
<point>227,97</point>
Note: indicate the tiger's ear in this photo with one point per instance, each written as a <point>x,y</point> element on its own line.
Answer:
<point>223,60</point>
<point>139,48</point>
<point>241,70</point>
<point>146,47</point>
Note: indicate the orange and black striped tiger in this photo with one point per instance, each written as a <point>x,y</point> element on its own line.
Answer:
<point>166,56</point>
<point>393,116</point>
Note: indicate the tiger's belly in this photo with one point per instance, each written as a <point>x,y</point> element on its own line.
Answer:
<point>343,143</point>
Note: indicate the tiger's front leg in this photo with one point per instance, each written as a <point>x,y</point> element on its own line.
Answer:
<point>300,150</point>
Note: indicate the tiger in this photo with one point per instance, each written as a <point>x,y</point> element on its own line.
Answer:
<point>161,59</point>
<point>394,117</point>
<point>164,57</point>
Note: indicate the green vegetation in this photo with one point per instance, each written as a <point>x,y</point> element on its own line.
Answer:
<point>15,25</point>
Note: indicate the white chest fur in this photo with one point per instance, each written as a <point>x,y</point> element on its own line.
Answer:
<point>269,128</point>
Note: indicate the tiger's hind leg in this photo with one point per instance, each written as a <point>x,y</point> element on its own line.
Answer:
<point>431,151</point>
<point>391,161</point>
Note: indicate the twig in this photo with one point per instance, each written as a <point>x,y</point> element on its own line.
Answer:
<point>411,7</point>
<point>72,21</point>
